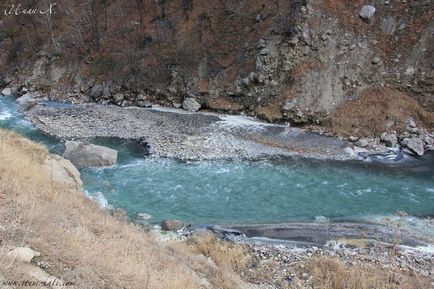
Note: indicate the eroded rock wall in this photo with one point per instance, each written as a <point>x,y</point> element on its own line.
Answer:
<point>295,60</point>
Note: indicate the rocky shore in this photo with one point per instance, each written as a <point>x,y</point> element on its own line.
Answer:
<point>289,266</point>
<point>281,253</point>
<point>187,135</point>
<point>180,134</point>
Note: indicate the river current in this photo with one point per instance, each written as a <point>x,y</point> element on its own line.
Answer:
<point>266,191</point>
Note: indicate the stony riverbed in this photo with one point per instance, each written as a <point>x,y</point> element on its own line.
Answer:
<point>178,134</point>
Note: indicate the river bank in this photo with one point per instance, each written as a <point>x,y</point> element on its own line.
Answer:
<point>283,254</point>
<point>232,190</point>
<point>269,264</point>
<point>174,133</point>
<point>179,134</point>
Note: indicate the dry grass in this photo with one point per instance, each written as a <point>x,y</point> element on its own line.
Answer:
<point>222,253</point>
<point>331,273</point>
<point>369,114</point>
<point>271,112</point>
<point>356,243</point>
<point>85,245</point>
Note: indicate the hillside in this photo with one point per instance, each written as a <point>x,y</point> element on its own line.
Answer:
<point>286,60</point>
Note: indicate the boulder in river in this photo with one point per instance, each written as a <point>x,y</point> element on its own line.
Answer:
<point>89,155</point>
<point>191,104</point>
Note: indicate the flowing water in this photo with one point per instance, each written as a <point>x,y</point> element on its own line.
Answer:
<point>264,191</point>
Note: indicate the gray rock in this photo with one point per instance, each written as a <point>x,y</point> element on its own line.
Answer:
<point>253,76</point>
<point>410,71</point>
<point>349,150</point>
<point>390,122</point>
<point>264,51</point>
<point>367,12</point>
<point>261,43</point>
<point>298,113</point>
<point>7,91</point>
<point>24,254</point>
<point>376,60</point>
<point>62,171</point>
<point>389,139</point>
<point>410,122</point>
<point>428,140</point>
<point>416,145</point>
<point>353,138</point>
<point>144,216</point>
<point>177,105</point>
<point>24,98</point>
<point>118,97</point>
<point>404,135</point>
<point>289,104</point>
<point>404,141</point>
<point>401,26</point>
<point>144,103</point>
<point>171,225</point>
<point>191,104</point>
<point>413,130</point>
<point>362,143</point>
<point>24,90</point>
<point>388,25</point>
<point>97,91</point>
<point>89,155</point>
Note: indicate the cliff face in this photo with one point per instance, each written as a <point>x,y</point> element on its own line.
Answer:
<point>295,60</point>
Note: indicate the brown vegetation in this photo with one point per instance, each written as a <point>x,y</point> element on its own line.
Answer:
<point>333,274</point>
<point>374,111</point>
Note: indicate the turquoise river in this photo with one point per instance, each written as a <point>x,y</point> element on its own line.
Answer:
<point>266,191</point>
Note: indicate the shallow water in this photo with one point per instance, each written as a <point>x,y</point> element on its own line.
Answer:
<point>220,192</point>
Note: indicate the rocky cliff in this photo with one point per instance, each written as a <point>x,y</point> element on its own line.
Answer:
<point>325,62</point>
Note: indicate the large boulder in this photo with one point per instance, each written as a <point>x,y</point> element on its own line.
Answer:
<point>97,91</point>
<point>89,155</point>
<point>191,104</point>
<point>63,171</point>
<point>390,139</point>
<point>7,91</point>
<point>388,25</point>
<point>416,145</point>
<point>24,254</point>
<point>367,12</point>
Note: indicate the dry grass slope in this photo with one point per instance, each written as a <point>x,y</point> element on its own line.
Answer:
<point>332,274</point>
<point>84,244</point>
<point>368,115</point>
